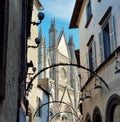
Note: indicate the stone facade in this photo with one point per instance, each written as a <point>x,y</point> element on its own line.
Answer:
<point>9,106</point>
<point>98,23</point>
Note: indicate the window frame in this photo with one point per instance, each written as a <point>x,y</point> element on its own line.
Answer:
<point>88,10</point>
<point>111,43</point>
<point>91,54</point>
<point>106,39</point>
<point>88,14</point>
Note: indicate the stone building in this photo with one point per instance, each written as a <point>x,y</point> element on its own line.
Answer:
<point>14,31</point>
<point>98,23</point>
<point>63,81</point>
<point>38,91</point>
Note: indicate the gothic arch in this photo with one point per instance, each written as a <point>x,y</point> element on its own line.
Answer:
<point>97,115</point>
<point>88,118</point>
<point>112,108</point>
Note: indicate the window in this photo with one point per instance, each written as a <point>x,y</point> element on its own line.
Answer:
<point>97,115</point>
<point>88,119</point>
<point>88,14</point>
<point>113,109</point>
<point>89,11</point>
<point>107,41</point>
<point>38,107</point>
<point>91,55</point>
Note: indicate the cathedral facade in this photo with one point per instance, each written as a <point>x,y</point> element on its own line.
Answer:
<point>63,81</point>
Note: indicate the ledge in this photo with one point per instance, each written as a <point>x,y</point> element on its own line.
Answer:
<point>75,14</point>
<point>100,67</point>
<point>91,38</point>
<point>88,21</point>
<point>105,15</point>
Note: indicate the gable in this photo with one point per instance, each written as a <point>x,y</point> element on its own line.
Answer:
<point>65,96</point>
<point>62,46</point>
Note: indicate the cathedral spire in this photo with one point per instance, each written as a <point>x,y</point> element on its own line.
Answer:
<point>53,25</point>
<point>41,54</point>
<point>40,35</point>
<point>71,47</point>
<point>71,40</point>
<point>53,34</point>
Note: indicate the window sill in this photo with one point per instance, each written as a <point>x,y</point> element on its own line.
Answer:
<point>88,21</point>
<point>107,60</point>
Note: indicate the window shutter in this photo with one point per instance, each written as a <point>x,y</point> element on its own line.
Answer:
<point>112,33</point>
<point>101,46</point>
<point>94,55</point>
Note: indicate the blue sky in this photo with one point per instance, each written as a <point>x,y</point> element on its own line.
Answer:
<point>62,11</point>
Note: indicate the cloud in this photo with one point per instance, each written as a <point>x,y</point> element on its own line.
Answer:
<point>61,9</point>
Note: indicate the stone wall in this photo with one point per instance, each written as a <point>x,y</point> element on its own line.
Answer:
<point>8,107</point>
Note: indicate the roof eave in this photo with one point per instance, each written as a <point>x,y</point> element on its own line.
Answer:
<point>75,14</point>
<point>38,5</point>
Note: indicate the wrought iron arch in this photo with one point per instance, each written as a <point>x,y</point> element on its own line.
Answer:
<point>66,64</point>
<point>74,111</point>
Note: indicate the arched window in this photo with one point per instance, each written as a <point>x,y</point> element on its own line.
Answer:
<point>113,109</point>
<point>88,119</point>
<point>97,115</point>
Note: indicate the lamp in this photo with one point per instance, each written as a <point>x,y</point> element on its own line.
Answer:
<point>32,73</point>
<point>30,64</point>
<point>37,41</point>
<point>40,17</point>
<point>87,94</point>
<point>97,84</point>
<point>81,99</point>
